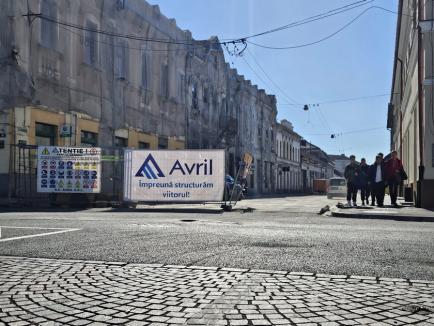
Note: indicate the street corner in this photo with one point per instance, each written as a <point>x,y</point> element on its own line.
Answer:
<point>46,291</point>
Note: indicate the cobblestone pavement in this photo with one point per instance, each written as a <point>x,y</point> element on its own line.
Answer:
<point>56,292</point>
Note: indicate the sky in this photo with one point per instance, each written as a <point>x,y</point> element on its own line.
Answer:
<point>357,62</point>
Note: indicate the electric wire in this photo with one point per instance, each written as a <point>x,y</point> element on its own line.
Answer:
<point>257,75</point>
<point>304,21</point>
<point>350,131</point>
<point>324,38</point>
<point>347,99</point>
<point>271,80</point>
<point>234,41</point>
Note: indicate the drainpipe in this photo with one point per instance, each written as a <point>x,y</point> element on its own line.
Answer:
<point>400,112</point>
<point>421,168</point>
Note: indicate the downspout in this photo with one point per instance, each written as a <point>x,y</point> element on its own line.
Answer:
<point>421,168</point>
<point>400,111</point>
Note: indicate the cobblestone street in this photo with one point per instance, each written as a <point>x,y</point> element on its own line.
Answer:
<point>51,292</point>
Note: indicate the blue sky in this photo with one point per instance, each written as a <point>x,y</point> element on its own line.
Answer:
<point>356,62</point>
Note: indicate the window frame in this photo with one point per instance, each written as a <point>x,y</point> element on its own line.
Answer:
<point>87,54</point>
<point>50,40</point>
<point>92,144</point>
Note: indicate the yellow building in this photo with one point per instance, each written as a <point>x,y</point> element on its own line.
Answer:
<point>25,128</point>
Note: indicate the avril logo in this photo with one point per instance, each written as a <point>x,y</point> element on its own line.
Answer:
<point>150,169</point>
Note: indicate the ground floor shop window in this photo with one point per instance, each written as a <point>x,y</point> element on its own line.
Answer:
<point>45,134</point>
<point>144,145</point>
<point>163,142</point>
<point>121,142</point>
<point>89,139</point>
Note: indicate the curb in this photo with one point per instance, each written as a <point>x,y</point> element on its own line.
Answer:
<point>408,218</point>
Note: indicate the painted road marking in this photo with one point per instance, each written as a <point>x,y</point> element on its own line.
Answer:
<point>59,230</point>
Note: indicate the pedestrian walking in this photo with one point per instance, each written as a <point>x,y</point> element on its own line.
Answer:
<point>395,174</point>
<point>378,176</point>
<point>351,175</point>
<point>364,181</point>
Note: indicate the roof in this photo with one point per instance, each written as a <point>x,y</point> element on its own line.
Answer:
<point>338,157</point>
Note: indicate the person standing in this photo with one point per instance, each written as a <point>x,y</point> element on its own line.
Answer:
<point>377,175</point>
<point>394,171</point>
<point>363,181</point>
<point>351,174</point>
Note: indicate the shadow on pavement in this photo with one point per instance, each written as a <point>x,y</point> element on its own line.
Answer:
<point>167,210</point>
<point>41,209</point>
<point>392,218</point>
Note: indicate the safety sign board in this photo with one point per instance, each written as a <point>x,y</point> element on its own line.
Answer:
<point>174,176</point>
<point>69,169</point>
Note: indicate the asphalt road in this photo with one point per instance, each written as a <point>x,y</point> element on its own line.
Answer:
<point>280,234</point>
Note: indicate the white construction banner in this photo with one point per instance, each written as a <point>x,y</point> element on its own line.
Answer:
<point>69,169</point>
<point>174,175</point>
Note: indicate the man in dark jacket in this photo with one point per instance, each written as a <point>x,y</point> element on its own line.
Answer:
<point>378,176</point>
<point>394,169</point>
<point>351,174</point>
<point>363,181</point>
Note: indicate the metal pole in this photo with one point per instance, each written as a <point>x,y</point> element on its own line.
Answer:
<point>235,183</point>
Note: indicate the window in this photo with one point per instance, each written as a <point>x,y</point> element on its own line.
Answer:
<point>146,70</point>
<point>48,28</point>
<point>121,142</point>
<point>45,134</point>
<point>194,96</point>
<point>122,60</point>
<point>338,182</point>
<point>205,95</point>
<point>89,139</point>
<point>144,145</point>
<point>163,142</point>
<point>164,80</point>
<point>120,4</point>
<point>90,44</point>
<point>180,84</point>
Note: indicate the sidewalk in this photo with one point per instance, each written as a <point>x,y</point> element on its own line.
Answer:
<point>57,292</point>
<point>403,213</point>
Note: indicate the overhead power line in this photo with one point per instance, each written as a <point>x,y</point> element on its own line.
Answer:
<point>343,100</point>
<point>326,37</point>
<point>320,16</point>
<point>234,41</point>
<point>289,98</point>
<point>349,132</point>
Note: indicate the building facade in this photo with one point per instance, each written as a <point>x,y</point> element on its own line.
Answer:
<point>340,162</point>
<point>64,82</point>
<point>315,164</point>
<point>224,110</point>
<point>288,172</point>
<point>411,108</point>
